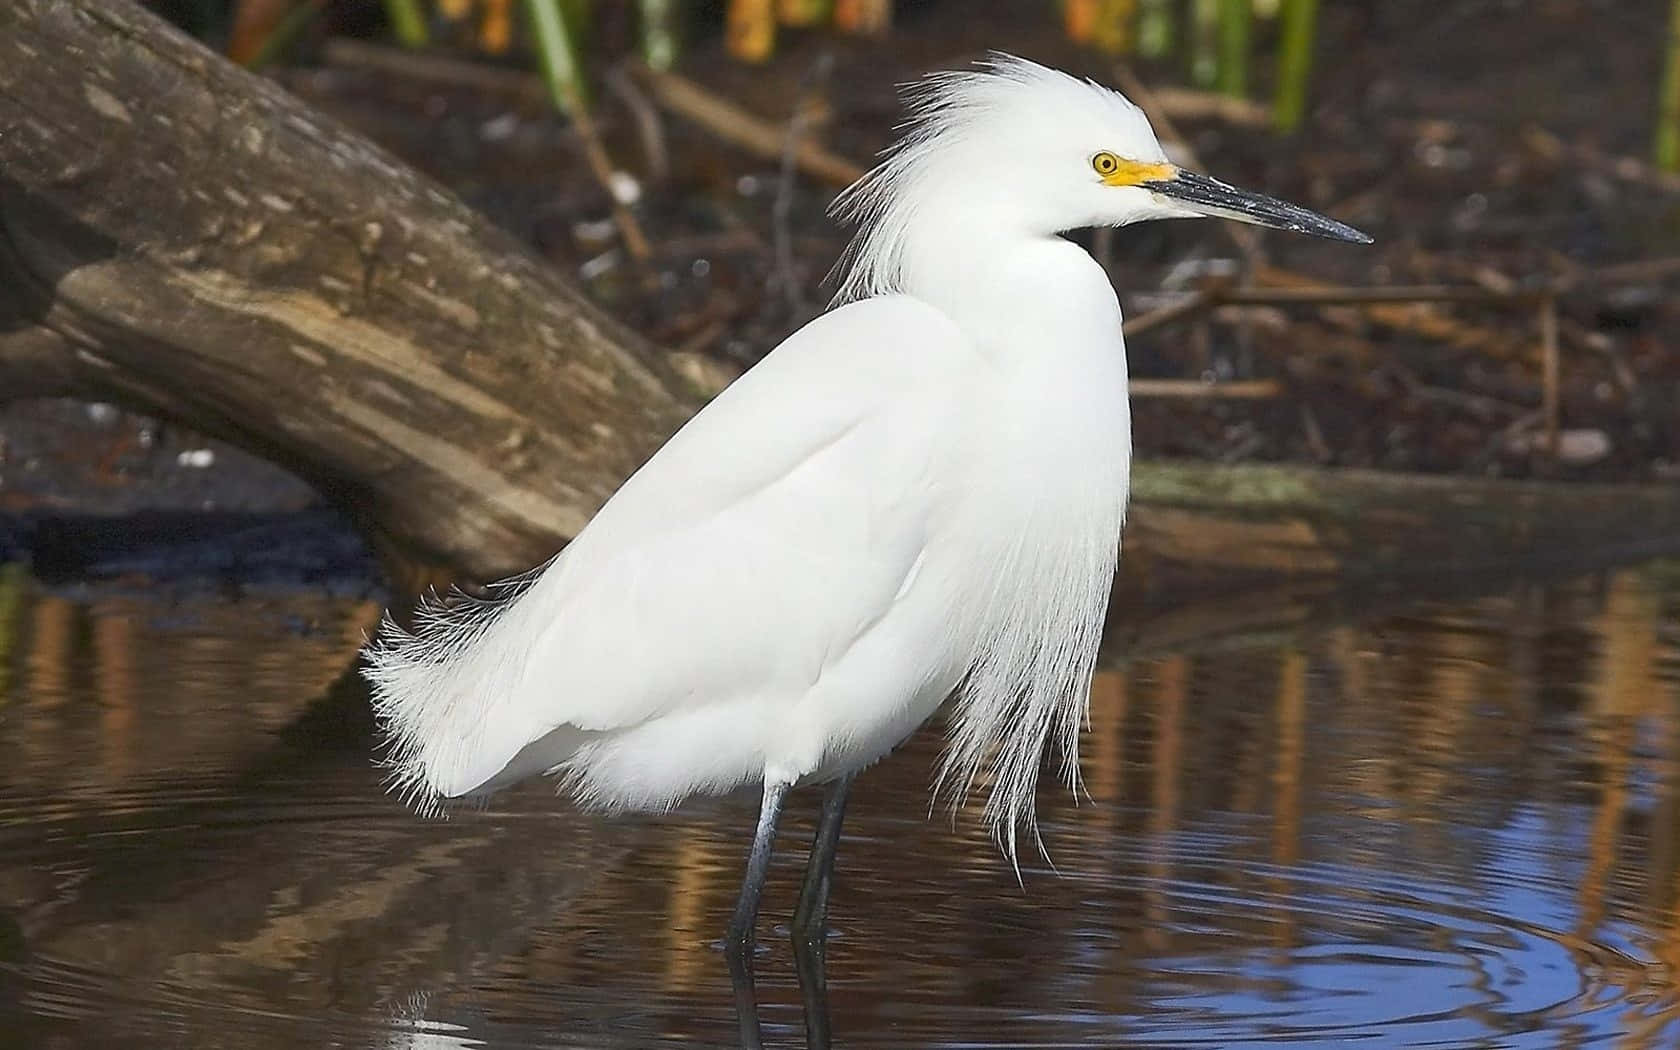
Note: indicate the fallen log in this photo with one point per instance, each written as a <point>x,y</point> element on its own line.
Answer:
<point>188,239</point>
<point>1200,526</point>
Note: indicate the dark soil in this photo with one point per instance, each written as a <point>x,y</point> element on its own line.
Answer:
<point>1477,140</point>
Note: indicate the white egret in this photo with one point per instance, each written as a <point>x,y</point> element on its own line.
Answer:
<point>916,496</point>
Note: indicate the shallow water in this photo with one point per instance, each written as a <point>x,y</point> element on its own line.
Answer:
<point>1454,824</point>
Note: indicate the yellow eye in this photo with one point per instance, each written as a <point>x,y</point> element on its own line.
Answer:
<point>1105,164</point>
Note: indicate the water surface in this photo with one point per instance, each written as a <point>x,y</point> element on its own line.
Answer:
<point>1451,824</point>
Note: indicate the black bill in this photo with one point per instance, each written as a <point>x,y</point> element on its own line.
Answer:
<point>1212,197</point>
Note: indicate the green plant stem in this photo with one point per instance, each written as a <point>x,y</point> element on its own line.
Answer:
<point>577,14</point>
<point>1234,19</point>
<point>1298,24</point>
<point>1204,42</point>
<point>557,53</point>
<point>1666,147</point>
<point>408,22</point>
<point>804,12</point>
<point>1116,26</point>
<point>661,36</point>
<point>1155,28</point>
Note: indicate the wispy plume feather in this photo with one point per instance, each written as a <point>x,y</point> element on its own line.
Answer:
<point>1029,686</point>
<point>434,685</point>
<point>952,123</point>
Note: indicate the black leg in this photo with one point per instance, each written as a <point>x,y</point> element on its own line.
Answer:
<point>738,947</point>
<point>810,922</point>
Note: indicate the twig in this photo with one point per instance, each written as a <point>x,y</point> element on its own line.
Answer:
<point>1605,347</point>
<point>1190,104</point>
<point>649,128</point>
<point>1478,405</point>
<point>786,272</point>
<point>1315,435</point>
<point>1415,316</point>
<point>1324,295</point>
<point>348,53</point>
<point>1628,169</point>
<point>1502,440</point>
<point>635,241</point>
<point>1350,295</point>
<point>1244,389</point>
<point>735,125</point>
<point>1194,303</point>
<point>1550,366</point>
<point>1630,272</point>
<point>525,86</point>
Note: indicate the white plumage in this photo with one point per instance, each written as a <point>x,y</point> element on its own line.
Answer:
<point>919,492</point>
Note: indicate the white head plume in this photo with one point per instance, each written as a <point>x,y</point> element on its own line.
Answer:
<point>1006,145</point>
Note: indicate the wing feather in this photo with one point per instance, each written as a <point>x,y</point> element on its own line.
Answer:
<point>757,545</point>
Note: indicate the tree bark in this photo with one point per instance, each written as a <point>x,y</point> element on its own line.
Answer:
<point>1202,526</point>
<point>186,238</point>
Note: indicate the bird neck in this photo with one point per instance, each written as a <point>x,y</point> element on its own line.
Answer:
<point>1014,292</point>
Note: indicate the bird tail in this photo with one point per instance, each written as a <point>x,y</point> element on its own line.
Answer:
<point>438,689</point>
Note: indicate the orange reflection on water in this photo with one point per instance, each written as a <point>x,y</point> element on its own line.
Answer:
<point>1473,796</point>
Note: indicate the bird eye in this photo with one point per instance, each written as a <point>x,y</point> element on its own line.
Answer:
<point>1105,163</point>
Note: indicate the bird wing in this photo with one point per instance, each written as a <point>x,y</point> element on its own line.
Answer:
<point>758,544</point>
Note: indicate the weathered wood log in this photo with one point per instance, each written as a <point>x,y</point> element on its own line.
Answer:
<point>1207,525</point>
<point>188,239</point>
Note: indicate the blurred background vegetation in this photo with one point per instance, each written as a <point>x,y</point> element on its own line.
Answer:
<point>1220,45</point>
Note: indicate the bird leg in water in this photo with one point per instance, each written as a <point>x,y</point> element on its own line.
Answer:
<point>810,920</point>
<point>738,946</point>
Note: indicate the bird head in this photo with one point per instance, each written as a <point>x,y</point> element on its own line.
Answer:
<point>1023,148</point>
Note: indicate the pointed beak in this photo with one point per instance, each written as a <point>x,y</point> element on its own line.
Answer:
<point>1209,196</point>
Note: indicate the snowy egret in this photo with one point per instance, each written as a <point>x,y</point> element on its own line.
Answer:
<point>916,496</point>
